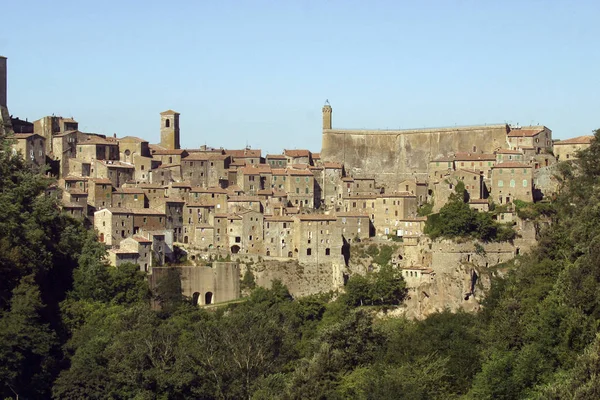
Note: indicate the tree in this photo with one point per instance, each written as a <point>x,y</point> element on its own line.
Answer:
<point>169,292</point>
<point>28,347</point>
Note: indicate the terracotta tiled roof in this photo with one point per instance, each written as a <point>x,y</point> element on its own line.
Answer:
<point>296,153</point>
<point>525,132</point>
<point>276,157</point>
<point>333,165</point>
<point>169,112</point>
<point>103,181</point>
<point>205,157</point>
<point>575,140</point>
<point>299,172</point>
<point>244,153</point>
<point>141,239</point>
<point>249,170</point>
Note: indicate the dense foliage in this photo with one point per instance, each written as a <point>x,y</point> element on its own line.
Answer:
<point>456,219</point>
<point>73,327</point>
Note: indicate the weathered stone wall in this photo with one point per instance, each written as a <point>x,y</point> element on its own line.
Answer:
<point>392,156</point>
<point>222,281</point>
<point>301,279</point>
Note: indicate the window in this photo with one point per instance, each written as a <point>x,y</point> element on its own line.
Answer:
<point>167,123</point>
<point>524,182</point>
<point>512,183</point>
<point>309,251</point>
<point>500,183</point>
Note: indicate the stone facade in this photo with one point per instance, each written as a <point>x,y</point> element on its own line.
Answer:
<point>565,150</point>
<point>206,285</point>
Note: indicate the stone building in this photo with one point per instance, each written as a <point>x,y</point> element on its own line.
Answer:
<point>317,239</point>
<point>117,172</point>
<point>567,149</point>
<point>205,169</point>
<point>536,138</point>
<point>129,197</point>
<point>354,226</point>
<point>333,172</point>
<point>100,192</point>
<point>32,146</point>
<point>298,157</point>
<point>390,209</point>
<point>508,155</point>
<point>473,181</point>
<point>476,162</point>
<point>97,148</point>
<point>147,219</point>
<point>512,181</point>
<point>49,126</point>
<point>276,160</point>
<point>113,225</point>
<point>300,187</point>
<point>279,236</point>
<point>245,156</point>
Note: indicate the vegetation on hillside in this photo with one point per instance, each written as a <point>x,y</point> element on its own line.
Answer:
<point>457,220</point>
<point>73,327</point>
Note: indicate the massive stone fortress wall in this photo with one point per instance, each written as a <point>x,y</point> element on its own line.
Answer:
<point>392,156</point>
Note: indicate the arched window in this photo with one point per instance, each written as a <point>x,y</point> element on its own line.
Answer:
<point>208,298</point>
<point>167,123</point>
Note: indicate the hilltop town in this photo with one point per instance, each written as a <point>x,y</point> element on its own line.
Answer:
<point>159,204</point>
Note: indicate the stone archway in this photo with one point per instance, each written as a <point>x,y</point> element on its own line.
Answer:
<point>196,298</point>
<point>208,298</point>
<point>235,249</point>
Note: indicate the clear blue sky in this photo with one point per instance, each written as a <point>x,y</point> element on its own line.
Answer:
<point>258,72</point>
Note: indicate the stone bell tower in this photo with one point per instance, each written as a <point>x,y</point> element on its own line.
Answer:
<point>327,115</point>
<point>169,129</point>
